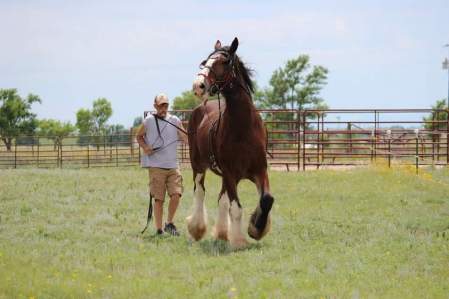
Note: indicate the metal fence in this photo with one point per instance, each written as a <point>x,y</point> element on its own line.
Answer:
<point>297,140</point>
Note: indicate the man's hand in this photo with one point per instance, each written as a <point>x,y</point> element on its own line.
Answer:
<point>147,150</point>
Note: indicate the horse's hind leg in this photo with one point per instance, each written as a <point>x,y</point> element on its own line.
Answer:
<point>222,226</point>
<point>197,222</point>
<point>260,221</point>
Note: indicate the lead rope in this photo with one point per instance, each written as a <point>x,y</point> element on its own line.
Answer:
<point>150,213</point>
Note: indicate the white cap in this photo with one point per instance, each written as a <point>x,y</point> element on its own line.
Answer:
<point>161,99</point>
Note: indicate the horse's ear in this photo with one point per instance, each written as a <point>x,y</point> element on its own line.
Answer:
<point>217,45</point>
<point>234,46</point>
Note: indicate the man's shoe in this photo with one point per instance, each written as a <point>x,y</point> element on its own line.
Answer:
<point>171,229</point>
<point>159,232</point>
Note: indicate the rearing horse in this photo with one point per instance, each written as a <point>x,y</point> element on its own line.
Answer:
<point>228,138</point>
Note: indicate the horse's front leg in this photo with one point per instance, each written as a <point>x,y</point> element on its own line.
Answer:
<point>260,221</point>
<point>197,222</point>
<point>221,228</point>
<point>236,237</point>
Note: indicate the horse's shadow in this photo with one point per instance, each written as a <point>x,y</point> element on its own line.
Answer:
<point>218,247</point>
<point>209,247</point>
<point>155,238</point>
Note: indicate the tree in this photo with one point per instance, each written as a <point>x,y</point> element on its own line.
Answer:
<point>93,122</point>
<point>297,85</point>
<point>84,121</point>
<point>15,115</point>
<point>186,101</point>
<point>137,121</point>
<point>100,114</point>
<point>437,120</point>
<point>55,130</point>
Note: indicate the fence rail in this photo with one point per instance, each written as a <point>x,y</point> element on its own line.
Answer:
<point>297,140</point>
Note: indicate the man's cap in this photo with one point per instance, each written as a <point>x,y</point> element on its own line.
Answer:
<point>161,99</point>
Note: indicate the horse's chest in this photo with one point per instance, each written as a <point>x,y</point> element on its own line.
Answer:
<point>241,152</point>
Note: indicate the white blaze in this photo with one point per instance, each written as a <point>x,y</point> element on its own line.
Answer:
<point>200,79</point>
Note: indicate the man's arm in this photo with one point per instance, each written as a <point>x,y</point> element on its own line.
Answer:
<point>141,140</point>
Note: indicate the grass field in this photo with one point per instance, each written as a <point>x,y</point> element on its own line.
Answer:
<point>365,233</point>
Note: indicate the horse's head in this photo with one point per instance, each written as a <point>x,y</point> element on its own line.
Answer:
<point>216,71</point>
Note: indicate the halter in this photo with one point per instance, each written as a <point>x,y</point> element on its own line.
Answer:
<point>217,85</point>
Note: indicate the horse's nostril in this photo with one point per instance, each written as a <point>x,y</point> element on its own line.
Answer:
<point>202,86</point>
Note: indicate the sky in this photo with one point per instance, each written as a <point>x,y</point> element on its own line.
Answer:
<point>380,54</point>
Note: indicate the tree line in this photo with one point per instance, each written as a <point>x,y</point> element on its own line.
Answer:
<point>295,85</point>
<point>17,119</point>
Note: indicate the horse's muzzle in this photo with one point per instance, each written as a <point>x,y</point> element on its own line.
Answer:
<point>199,88</point>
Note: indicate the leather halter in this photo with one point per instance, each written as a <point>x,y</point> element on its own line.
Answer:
<point>216,85</point>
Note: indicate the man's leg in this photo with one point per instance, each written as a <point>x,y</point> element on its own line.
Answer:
<point>158,213</point>
<point>172,206</point>
<point>157,188</point>
<point>174,186</point>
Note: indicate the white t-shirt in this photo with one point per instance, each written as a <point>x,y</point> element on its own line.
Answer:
<point>166,155</point>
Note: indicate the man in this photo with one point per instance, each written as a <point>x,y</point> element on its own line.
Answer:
<point>158,137</point>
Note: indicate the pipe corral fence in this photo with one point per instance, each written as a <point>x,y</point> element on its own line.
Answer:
<point>297,140</point>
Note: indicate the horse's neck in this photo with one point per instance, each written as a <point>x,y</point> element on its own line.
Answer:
<point>239,111</point>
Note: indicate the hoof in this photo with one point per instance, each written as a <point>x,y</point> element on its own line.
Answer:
<point>239,243</point>
<point>197,231</point>
<point>256,233</point>
<point>220,234</point>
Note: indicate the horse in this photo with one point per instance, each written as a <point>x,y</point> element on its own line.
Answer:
<point>229,138</point>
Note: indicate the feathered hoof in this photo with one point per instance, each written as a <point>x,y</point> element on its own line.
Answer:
<point>258,233</point>
<point>239,243</point>
<point>196,231</point>
<point>220,234</point>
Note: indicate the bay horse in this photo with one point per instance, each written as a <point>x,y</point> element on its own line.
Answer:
<point>228,137</point>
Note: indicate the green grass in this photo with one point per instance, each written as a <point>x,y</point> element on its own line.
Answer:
<point>366,233</point>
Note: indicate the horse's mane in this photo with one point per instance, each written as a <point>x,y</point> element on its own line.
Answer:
<point>245,72</point>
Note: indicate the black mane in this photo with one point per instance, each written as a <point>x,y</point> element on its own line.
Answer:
<point>245,72</point>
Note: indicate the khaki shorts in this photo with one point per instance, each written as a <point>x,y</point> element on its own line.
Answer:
<point>162,180</point>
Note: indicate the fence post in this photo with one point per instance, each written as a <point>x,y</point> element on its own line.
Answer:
<point>372,146</point>
<point>15,152</point>
<point>417,150</point>
<point>389,148</point>
<point>131,143</point>
<point>88,156</point>
<point>116,153</point>
<point>349,128</point>
<point>304,116</point>
<point>389,153</point>
<point>38,145</point>
<point>447,137</point>
<point>318,143</point>
<point>298,136</point>
<point>60,156</point>
<point>376,119</point>
<point>322,137</point>
<point>433,136</point>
